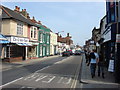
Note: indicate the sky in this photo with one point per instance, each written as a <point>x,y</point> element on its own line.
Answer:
<point>76,18</point>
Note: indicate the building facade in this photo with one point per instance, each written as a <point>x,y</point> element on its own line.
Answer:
<point>15,28</point>
<point>53,43</point>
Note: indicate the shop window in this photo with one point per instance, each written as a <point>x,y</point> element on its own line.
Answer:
<point>30,49</point>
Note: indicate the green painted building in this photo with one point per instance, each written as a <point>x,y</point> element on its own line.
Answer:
<point>44,41</point>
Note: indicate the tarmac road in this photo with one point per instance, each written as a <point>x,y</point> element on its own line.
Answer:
<point>59,72</point>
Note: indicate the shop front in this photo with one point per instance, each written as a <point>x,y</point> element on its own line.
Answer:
<point>3,46</point>
<point>17,48</point>
<point>32,51</point>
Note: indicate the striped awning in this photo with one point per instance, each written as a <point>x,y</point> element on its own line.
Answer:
<point>23,44</point>
<point>4,41</point>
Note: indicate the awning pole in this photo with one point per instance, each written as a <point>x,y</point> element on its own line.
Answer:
<point>9,51</point>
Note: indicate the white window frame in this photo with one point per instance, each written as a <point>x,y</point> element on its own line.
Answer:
<point>20,26</point>
<point>41,37</point>
<point>34,32</point>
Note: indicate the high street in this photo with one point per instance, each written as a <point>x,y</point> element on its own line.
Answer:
<point>58,72</point>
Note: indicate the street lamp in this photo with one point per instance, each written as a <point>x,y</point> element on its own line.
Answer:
<point>60,32</point>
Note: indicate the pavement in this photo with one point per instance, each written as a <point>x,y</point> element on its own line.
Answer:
<point>97,82</point>
<point>6,65</point>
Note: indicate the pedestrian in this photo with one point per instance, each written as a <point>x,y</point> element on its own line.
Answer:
<point>101,65</point>
<point>94,58</point>
<point>87,56</point>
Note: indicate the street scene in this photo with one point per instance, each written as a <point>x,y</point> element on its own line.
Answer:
<point>60,45</point>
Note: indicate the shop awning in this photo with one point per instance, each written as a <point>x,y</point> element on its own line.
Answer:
<point>24,44</point>
<point>20,44</point>
<point>4,41</point>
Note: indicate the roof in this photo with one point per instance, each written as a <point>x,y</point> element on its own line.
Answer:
<point>10,14</point>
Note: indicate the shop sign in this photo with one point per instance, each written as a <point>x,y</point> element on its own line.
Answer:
<point>111,66</point>
<point>107,34</point>
<point>117,38</point>
<point>18,40</point>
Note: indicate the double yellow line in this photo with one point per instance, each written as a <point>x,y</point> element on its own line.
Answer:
<point>73,86</point>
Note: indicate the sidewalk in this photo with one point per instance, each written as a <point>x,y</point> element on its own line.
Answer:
<point>97,82</point>
<point>7,65</point>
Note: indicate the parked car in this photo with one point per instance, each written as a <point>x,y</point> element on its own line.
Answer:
<point>77,52</point>
<point>71,53</point>
<point>66,53</point>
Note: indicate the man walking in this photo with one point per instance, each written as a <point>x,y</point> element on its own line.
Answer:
<point>94,58</point>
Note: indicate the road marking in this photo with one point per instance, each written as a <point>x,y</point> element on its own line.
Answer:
<point>76,77</point>
<point>60,80</point>
<point>40,78</point>
<point>41,69</point>
<point>63,60</point>
<point>11,82</point>
<point>50,79</point>
<point>68,81</point>
<point>34,75</point>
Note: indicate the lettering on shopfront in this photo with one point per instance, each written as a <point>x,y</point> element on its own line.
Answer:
<point>19,40</point>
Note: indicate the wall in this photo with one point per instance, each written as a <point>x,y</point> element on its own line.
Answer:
<point>5,27</point>
<point>9,27</point>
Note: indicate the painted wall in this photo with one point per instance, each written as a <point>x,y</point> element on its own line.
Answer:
<point>5,27</point>
<point>53,42</point>
<point>9,27</point>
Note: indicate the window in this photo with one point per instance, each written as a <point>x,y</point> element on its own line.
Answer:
<point>34,33</point>
<point>19,29</point>
<point>31,32</point>
<point>47,39</point>
<point>41,37</point>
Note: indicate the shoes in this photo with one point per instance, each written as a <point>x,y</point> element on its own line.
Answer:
<point>92,76</point>
<point>98,75</point>
<point>103,77</point>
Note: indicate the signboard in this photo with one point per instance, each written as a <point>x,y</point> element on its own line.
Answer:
<point>111,66</point>
<point>13,39</point>
<point>107,34</point>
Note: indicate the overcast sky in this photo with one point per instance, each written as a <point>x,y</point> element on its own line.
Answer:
<point>76,18</point>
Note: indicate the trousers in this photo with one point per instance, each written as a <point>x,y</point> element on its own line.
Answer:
<point>93,68</point>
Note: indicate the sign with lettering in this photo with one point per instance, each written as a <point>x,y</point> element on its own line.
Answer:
<point>111,66</point>
<point>13,39</point>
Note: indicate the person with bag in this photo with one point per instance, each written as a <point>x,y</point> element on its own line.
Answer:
<point>94,58</point>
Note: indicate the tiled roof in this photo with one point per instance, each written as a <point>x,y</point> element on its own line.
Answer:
<point>10,14</point>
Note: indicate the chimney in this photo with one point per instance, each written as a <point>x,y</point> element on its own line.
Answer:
<point>17,9</point>
<point>28,15</point>
<point>39,22</point>
<point>33,18</point>
<point>24,13</point>
<point>68,34</point>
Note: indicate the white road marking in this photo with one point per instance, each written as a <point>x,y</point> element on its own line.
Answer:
<point>60,80</point>
<point>42,69</point>
<point>11,82</point>
<point>40,78</point>
<point>68,81</point>
<point>50,79</point>
<point>35,75</point>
